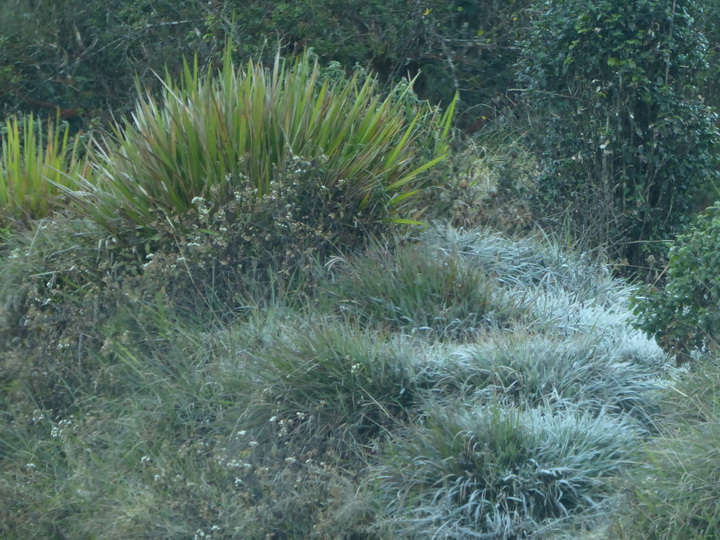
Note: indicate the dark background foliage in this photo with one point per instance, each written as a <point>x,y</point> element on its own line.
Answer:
<point>627,144</point>
<point>82,56</point>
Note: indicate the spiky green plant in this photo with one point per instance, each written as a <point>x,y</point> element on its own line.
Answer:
<point>34,168</point>
<point>209,136</point>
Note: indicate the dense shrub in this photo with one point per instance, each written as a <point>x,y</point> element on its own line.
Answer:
<point>61,281</point>
<point>627,145</point>
<point>276,238</point>
<point>685,314</point>
<point>82,56</point>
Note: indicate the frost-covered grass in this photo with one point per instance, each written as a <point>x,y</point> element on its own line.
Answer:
<point>499,471</point>
<point>459,385</point>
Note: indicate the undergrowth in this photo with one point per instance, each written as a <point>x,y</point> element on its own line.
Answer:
<point>498,393</point>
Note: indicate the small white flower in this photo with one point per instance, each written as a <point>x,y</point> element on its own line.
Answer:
<point>253,444</point>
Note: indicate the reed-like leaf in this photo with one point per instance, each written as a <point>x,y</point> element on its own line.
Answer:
<point>35,167</point>
<point>210,135</point>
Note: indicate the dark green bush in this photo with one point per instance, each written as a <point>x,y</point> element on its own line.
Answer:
<point>82,56</point>
<point>685,314</point>
<point>628,147</point>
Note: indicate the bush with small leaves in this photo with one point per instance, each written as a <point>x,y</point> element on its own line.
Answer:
<point>628,147</point>
<point>685,314</point>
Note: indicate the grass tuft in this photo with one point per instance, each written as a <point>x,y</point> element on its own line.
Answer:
<point>532,370</point>
<point>425,291</point>
<point>323,384</point>
<point>675,491</point>
<point>498,472</point>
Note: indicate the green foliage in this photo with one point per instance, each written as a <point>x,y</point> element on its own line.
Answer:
<point>79,58</point>
<point>211,136</point>
<point>35,169</point>
<point>627,146</point>
<point>685,314</point>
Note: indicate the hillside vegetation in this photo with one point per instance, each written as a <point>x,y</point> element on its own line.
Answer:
<point>407,271</point>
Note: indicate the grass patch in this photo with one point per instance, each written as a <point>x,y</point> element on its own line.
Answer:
<point>324,384</point>
<point>417,289</point>
<point>532,370</point>
<point>498,471</point>
<point>142,401</point>
<point>675,490</point>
